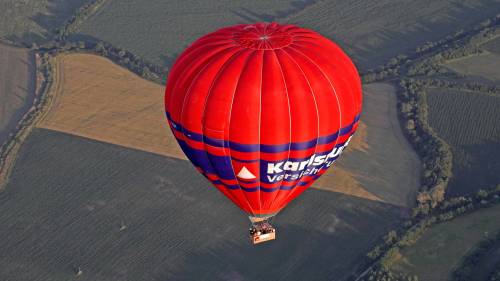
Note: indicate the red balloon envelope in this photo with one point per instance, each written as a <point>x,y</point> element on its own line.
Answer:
<point>263,110</point>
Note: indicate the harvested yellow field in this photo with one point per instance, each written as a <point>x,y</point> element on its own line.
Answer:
<point>344,180</point>
<point>97,99</point>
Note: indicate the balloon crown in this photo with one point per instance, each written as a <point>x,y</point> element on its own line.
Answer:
<point>263,36</point>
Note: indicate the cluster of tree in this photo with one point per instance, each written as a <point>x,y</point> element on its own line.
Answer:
<point>387,252</point>
<point>121,57</point>
<point>432,65</point>
<point>61,43</point>
<point>390,70</point>
<point>464,272</point>
<point>433,151</point>
<point>455,85</point>
<point>78,17</point>
<point>427,58</point>
<point>466,46</point>
<point>43,71</point>
<point>24,126</point>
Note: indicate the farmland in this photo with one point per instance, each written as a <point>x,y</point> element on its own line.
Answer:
<point>370,32</point>
<point>97,99</point>
<point>481,66</point>
<point>488,262</point>
<point>374,32</point>
<point>468,121</point>
<point>17,87</point>
<point>171,25</point>
<point>493,46</point>
<point>122,213</point>
<point>101,186</point>
<point>31,21</point>
<point>381,161</point>
<point>93,96</point>
<point>440,249</point>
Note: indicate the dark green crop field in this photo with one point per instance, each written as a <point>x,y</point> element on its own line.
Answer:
<point>34,20</point>
<point>441,248</point>
<point>370,31</point>
<point>469,122</point>
<point>122,214</point>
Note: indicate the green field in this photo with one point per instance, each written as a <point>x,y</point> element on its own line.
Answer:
<point>122,214</point>
<point>483,66</point>
<point>34,20</point>
<point>493,46</point>
<point>372,32</point>
<point>468,121</point>
<point>442,247</point>
<point>17,87</point>
<point>487,263</point>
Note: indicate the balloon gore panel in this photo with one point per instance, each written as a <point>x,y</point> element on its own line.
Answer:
<point>263,110</point>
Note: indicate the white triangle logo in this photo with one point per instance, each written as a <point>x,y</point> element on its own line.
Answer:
<point>245,174</point>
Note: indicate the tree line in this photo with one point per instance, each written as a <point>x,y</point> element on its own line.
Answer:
<point>119,56</point>
<point>388,252</point>
<point>78,18</point>
<point>427,59</point>
<point>412,72</point>
<point>9,148</point>
<point>434,153</point>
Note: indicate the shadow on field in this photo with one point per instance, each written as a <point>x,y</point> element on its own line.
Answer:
<point>299,253</point>
<point>122,214</point>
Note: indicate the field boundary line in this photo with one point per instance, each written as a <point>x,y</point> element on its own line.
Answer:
<point>9,150</point>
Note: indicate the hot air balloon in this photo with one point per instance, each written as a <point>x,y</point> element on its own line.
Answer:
<point>262,110</point>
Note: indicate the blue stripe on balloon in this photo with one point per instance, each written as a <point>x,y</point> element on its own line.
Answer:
<point>222,168</point>
<point>235,186</point>
<point>243,147</point>
<point>269,148</point>
<point>245,160</point>
<point>261,188</point>
<point>265,189</point>
<point>269,189</point>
